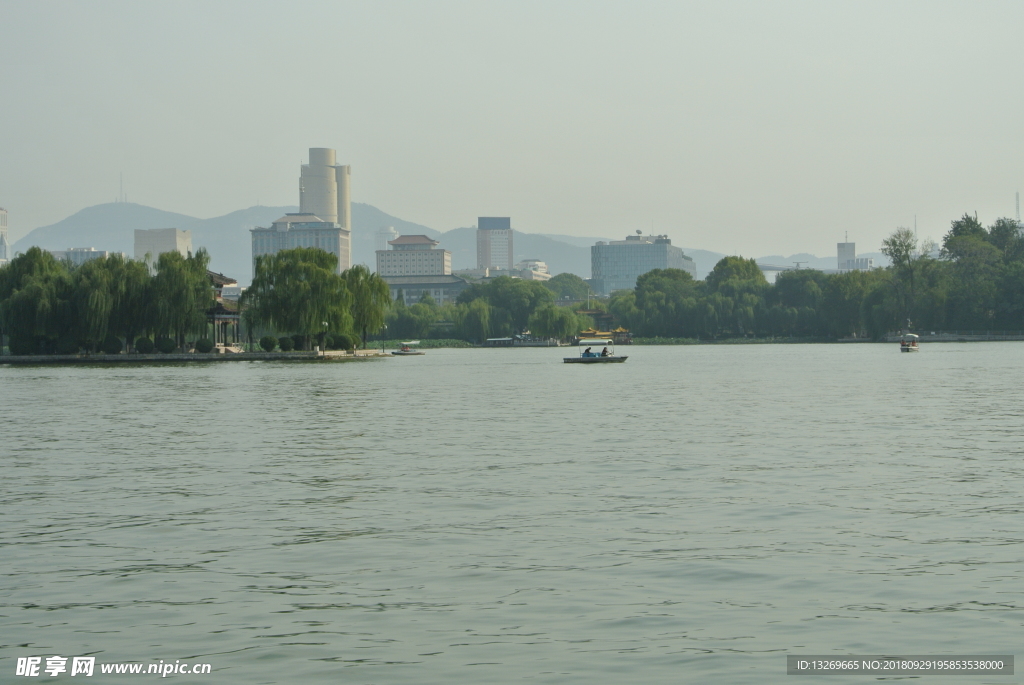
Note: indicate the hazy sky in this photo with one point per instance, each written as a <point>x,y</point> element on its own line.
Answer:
<point>743,127</point>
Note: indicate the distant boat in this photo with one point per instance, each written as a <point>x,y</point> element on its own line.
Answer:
<point>589,357</point>
<point>406,351</point>
<point>908,343</point>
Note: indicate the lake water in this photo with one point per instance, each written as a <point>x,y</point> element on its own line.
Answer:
<point>495,516</point>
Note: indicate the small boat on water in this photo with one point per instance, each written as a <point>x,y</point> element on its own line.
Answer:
<point>406,350</point>
<point>588,356</point>
<point>908,343</point>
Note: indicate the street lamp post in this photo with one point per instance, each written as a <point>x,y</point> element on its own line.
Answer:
<point>383,331</point>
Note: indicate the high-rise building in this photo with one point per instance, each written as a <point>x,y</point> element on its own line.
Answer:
<point>847,258</point>
<point>302,230</point>
<point>616,265</point>
<point>5,249</point>
<point>156,241</point>
<point>494,242</point>
<point>324,192</point>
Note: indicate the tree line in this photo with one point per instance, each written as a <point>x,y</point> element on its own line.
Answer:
<point>49,306</point>
<point>499,308</point>
<point>974,282</point>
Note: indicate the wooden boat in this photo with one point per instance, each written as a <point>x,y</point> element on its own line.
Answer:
<point>588,357</point>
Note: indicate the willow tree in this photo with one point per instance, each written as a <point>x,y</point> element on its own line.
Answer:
<point>183,293</point>
<point>371,299</point>
<point>93,301</point>
<point>297,292</point>
<point>132,290</point>
<point>35,307</point>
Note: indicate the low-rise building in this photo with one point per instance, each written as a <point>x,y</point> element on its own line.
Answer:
<point>409,289</point>
<point>80,255</point>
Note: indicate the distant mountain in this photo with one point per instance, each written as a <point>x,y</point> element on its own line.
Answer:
<point>111,227</point>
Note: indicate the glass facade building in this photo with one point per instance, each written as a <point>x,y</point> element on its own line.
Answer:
<point>617,265</point>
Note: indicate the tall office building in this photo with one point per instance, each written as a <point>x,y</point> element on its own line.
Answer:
<point>324,191</point>
<point>5,250</point>
<point>156,241</point>
<point>616,265</point>
<point>494,242</point>
<point>846,252</point>
<point>847,258</point>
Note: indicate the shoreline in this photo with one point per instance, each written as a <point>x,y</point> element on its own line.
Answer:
<point>330,355</point>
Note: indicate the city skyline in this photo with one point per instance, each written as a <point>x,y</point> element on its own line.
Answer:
<point>737,127</point>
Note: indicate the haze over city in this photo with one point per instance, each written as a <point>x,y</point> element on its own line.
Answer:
<point>739,127</point>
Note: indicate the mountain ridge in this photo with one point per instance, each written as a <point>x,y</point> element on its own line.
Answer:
<point>110,227</point>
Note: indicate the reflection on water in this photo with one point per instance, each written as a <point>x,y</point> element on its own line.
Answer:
<point>495,516</point>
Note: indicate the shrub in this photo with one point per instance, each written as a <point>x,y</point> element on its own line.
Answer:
<point>144,346</point>
<point>298,342</point>
<point>204,345</point>
<point>111,345</point>
<point>343,341</point>
<point>165,345</point>
<point>67,345</point>
<point>286,343</point>
<point>23,344</point>
<point>268,343</point>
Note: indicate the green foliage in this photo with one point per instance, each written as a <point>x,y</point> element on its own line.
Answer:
<point>344,341</point>
<point>296,291</point>
<point>512,301</point>
<point>286,344</point>
<point>735,269</point>
<point>371,299</point>
<point>112,345</point>
<point>144,345</point>
<point>268,343</point>
<point>50,306</point>
<point>555,322</point>
<point>204,345</point>
<point>166,345</point>
<point>569,286</point>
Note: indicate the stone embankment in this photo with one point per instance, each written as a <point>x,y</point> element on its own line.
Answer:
<point>334,355</point>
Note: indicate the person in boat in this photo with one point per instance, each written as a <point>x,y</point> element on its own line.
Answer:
<point>605,352</point>
<point>588,353</point>
<point>405,348</point>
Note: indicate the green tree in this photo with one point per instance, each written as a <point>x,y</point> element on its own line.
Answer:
<point>371,299</point>
<point>297,291</point>
<point>567,285</point>
<point>550,321</point>
<point>183,293</point>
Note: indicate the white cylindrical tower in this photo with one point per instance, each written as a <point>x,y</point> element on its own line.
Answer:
<point>318,186</point>
<point>342,174</point>
<point>384,236</point>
